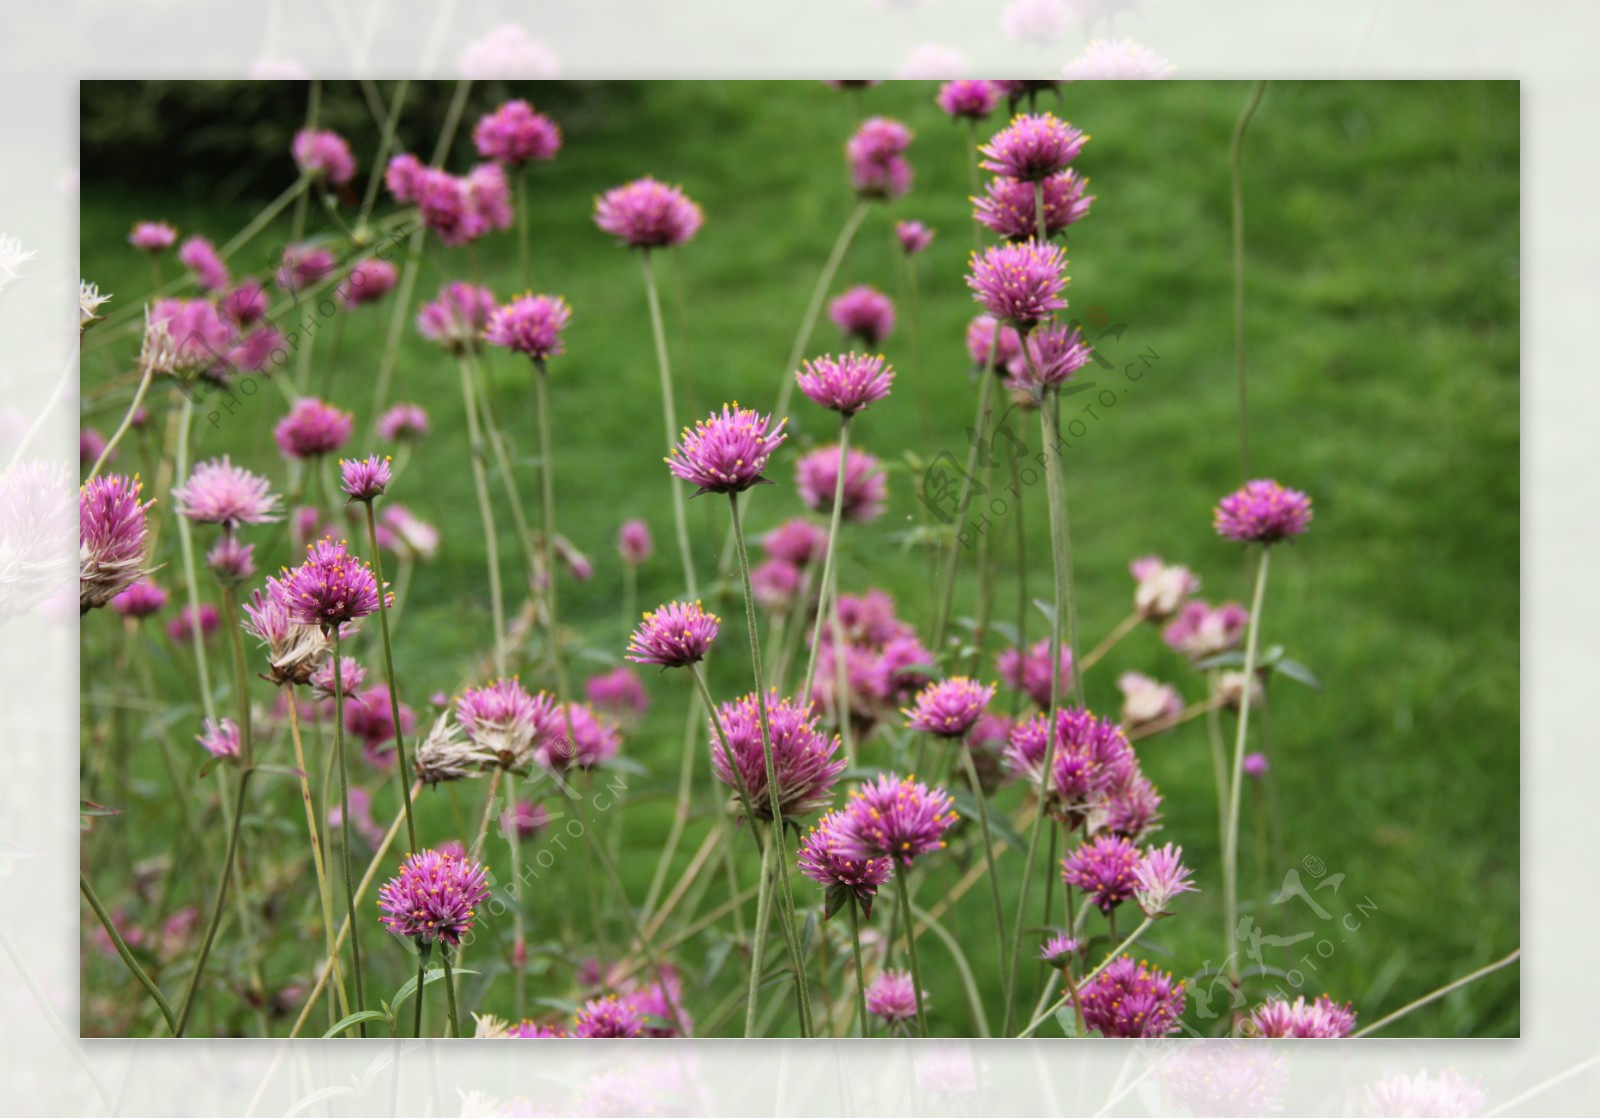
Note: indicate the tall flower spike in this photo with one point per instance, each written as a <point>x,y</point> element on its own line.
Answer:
<point>845,384</point>
<point>673,636</point>
<point>434,897</point>
<point>726,452</point>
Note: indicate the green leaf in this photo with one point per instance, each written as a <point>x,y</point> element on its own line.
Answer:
<point>90,808</point>
<point>1298,672</point>
<point>1223,660</point>
<point>358,1017</point>
<point>409,987</point>
<point>285,770</point>
<point>1068,1021</point>
<point>1046,608</point>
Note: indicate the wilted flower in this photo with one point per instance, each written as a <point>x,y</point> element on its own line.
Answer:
<point>220,493</point>
<point>294,650</point>
<point>949,708</point>
<point>514,134</point>
<point>1201,630</point>
<point>845,384</point>
<point>863,313</point>
<point>1019,283</point>
<point>113,537</point>
<point>1033,147</point>
<point>646,214</point>
<point>1146,701</point>
<point>446,756</point>
<point>806,763</point>
<point>1230,688</point>
<point>505,720</point>
<point>1129,999</point>
<point>673,636</point>
<point>530,324</point>
<point>322,153</point>
<point>1262,512</point>
<point>312,428</point>
<point>726,453</point>
<point>1161,587</point>
<point>434,897</point>
<point>185,335</point>
<point>866,488</point>
<point>89,303</point>
<point>1321,1018</point>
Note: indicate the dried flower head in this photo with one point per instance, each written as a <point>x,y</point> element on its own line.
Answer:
<point>294,650</point>
<point>506,721</point>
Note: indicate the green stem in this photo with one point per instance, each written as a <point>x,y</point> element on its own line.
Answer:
<point>1435,996</point>
<point>491,540</point>
<point>385,145</point>
<point>829,564</point>
<point>449,992</point>
<point>127,956</point>
<point>241,685</point>
<point>1086,980</point>
<point>186,546</point>
<point>802,340</point>
<point>669,412</point>
<point>127,420</point>
<point>861,979</point>
<point>522,227</point>
<point>947,584</point>
<point>318,861</point>
<point>911,947</point>
<point>1236,199</point>
<point>514,843</point>
<point>988,854</point>
<point>347,830</point>
<point>397,323</point>
<point>424,951</point>
<point>969,982</point>
<point>758,939</point>
<point>403,770</point>
<point>1230,837</point>
<point>216,909</point>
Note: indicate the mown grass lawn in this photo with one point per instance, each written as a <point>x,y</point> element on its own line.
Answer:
<point>1383,240</point>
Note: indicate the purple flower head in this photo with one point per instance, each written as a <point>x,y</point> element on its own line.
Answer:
<point>1059,951</point>
<point>198,256</point>
<point>404,423</point>
<point>489,197</point>
<point>879,138</point>
<point>904,667</point>
<point>515,134</point>
<point>1010,206</point>
<point>1146,701</point>
<point>949,708</point>
<point>181,629</point>
<point>968,99</point>
<point>1255,764</point>
<point>1201,630</point>
<point>866,488</point>
<point>457,318</point>
<point>863,313</point>
<point>897,817</point>
<point>1030,672</point>
<point>775,584</point>
<point>1105,868</point>
<point>434,897</point>
<point>608,1016</point>
<point>294,650</point>
<point>592,739</point>
<point>324,685</point>
<point>1161,588</point>
<point>220,493</point>
<point>662,1001</point>
<point>331,587</point>
<point>860,670</point>
<point>113,537</point>
<point>915,237</point>
<point>1322,1018</point>
<point>1003,355</point>
<point>446,206</point>
<point>140,600</point>
<point>221,740</point>
<point>841,877</point>
<point>320,153</point>
<point>633,542</point>
<point>1052,355</point>
<point>403,177</point>
<point>245,304</point>
<point>1032,147</point>
<point>530,324</point>
<point>368,282</point>
<point>727,452</point>
<point>646,214</point>
<point>673,636</point>
<point>876,153</point>
<point>366,478</point>
<point>305,265</point>
<point>232,559</point>
<point>1019,283</point>
<point>797,541</point>
<point>152,236</point>
<point>892,997</point>
<point>1445,1093</point>
<point>1129,999</point>
<point>888,179</point>
<point>1160,878</point>
<point>1263,512</point>
<point>1130,808</point>
<point>848,383</point>
<point>312,428</point>
<point>619,693</point>
<point>806,763</point>
<point>186,335</point>
<point>1092,757</point>
<point>506,721</point>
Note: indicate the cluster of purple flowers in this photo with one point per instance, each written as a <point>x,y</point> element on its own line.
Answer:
<point>885,664</point>
<point>1095,779</point>
<point>459,209</point>
<point>1130,999</point>
<point>1322,1017</point>
<point>888,822</point>
<point>1109,869</point>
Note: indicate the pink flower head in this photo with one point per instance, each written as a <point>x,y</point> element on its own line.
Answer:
<point>221,740</point>
<point>305,265</point>
<point>967,99</point>
<point>508,52</point>
<point>366,478</point>
<point>505,720</point>
<point>1105,868</point>
<point>843,878</point>
<point>1263,512</point>
<point>898,818</point>
<point>152,236</point>
<point>140,600</point>
<point>892,997</point>
<point>619,693</point>
<point>915,237</point>
<point>1092,757</point>
<point>514,134</point>
<point>323,154</point>
<point>1322,1018</point>
<point>1129,1000</point>
<point>806,763</point>
<point>575,736</point>
<point>312,428</point>
<point>368,282</point>
<point>1160,878</point>
<point>331,587</point>
<point>863,313</point>
<point>403,177</point>
<point>846,384</point>
<point>489,197</point>
<point>232,559</point>
<point>633,542</point>
<point>866,488</point>
<point>220,493</point>
<point>727,452</point>
<point>673,636</point>
<point>404,423</point>
<point>949,708</point>
<point>608,1016</point>
<point>1201,630</point>
<point>1161,587</point>
<point>879,138</point>
<point>876,153</point>
<point>903,669</point>
<point>186,335</point>
<point>1052,354</point>
<point>434,897</point>
<point>886,179</point>
<point>1010,206</point>
<point>457,318</point>
<point>245,304</point>
<point>446,207</point>
<point>1002,354</point>
<point>798,542</point>
<point>1032,147</point>
<point>646,214</point>
<point>1059,951</point>
<point>1255,764</point>
<point>113,538</point>
<point>1019,283</point>
<point>181,629</point>
<point>325,684</point>
<point>775,584</point>
<point>530,324</point>
<point>1146,701</point>
<point>1030,672</point>
<point>198,256</point>
<point>1130,809</point>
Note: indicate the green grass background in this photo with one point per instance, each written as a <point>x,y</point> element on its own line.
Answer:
<point>1383,301</point>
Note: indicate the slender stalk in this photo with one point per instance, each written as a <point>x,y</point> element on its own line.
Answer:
<point>127,956</point>
<point>449,992</point>
<point>829,566</point>
<point>669,412</point>
<point>1109,642</point>
<point>403,770</point>
<point>424,950</point>
<point>347,832</point>
<point>476,850</point>
<point>241,687</point>
<point>1230,837</point>
<point>988,854</point>
<point>980,1020</point>
<point>522,227</point>
<point>381,161</point>
<point>216,909</point>
<point>758,938</point>
<point>1435,996</point>
<point>496,440</point>
<point>786,895</point>
<point>911,947</point>
<point>514,843</point>
<point>491,541</point>
<point>802,340</point>
<point>397,323</point>
<point>682,810</point>
<point>318,861</point>
<point>186,546</point>
<point>947,583</point>
<point>127,419</point>
<point>1236,200</point>
<point>1086,980</point>
<point>861,979</point>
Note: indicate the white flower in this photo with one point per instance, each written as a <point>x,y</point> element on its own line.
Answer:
<point>89,301</point>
